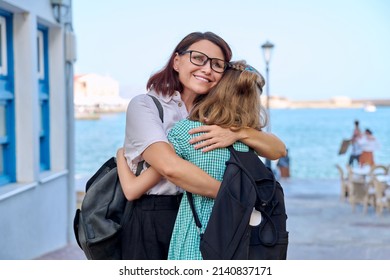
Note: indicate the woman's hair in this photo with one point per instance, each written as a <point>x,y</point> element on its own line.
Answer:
<point>166,81</point>
<point>235,101</point>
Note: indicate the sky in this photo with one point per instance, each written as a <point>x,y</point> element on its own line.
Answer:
<point>322,48</point>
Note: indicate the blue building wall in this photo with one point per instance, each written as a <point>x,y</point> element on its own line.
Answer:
<point>37,204</point>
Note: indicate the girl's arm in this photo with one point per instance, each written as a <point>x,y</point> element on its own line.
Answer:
<point>133,187</point>
<point>265,144</point>
<point>163,160</point>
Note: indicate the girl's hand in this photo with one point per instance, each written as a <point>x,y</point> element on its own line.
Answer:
<point>213,137</point>
<point>120,153</point>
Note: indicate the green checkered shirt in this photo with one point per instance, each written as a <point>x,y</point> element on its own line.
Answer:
<point>185,237</point>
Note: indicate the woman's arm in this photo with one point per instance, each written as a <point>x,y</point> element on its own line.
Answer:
<point>133,187</point>
<point>265,144</point>
<point>182,173</point>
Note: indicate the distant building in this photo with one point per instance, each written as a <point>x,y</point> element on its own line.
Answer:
<point>341,101</point>
<point>279,102</point>
<point>95,94</point>
<point>336,102</point>
<point>37,193</point>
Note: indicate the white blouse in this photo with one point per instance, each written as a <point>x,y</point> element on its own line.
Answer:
<point>144,127</point>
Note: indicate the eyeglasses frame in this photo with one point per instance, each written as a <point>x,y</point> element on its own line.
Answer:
<point>227,64</point>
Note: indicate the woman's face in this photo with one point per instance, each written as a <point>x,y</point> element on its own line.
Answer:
<point>198,79</point>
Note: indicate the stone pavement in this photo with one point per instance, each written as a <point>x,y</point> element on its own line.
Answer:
<point>321,226</point>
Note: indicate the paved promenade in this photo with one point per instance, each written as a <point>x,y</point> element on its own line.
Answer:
<point>321,226</point>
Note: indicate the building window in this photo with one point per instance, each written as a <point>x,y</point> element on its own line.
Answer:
<point>7,104</point>
<point>3,47</point>
<point>43,85</point>
<point>41,66</point>
<point>3,135</point>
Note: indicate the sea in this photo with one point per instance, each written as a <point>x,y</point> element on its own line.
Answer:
<point>312,136</point>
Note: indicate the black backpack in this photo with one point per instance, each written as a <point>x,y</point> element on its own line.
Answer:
<point>247,184</point>
<point>97,225</point>
<point>104,210</point>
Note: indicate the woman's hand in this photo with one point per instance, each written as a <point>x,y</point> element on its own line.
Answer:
<point>213,137</point>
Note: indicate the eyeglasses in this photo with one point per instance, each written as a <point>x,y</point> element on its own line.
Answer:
<point>200,59</point>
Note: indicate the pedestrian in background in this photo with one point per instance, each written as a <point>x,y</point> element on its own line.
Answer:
<point>284,165</point>
<point>356,149</point>
<point>369,145</point>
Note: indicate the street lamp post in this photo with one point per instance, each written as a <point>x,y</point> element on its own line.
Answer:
<point>267,51</point>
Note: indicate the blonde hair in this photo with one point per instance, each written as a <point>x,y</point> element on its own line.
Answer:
<point>235,101</point>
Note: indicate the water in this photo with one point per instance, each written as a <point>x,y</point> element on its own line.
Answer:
<point>313,137</point>
<point>96,141</point>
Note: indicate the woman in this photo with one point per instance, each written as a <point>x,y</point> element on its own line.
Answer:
<point>195,66</point>
<point>369,145</point>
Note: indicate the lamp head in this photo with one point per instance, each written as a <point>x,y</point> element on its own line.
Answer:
<point>267,51</point>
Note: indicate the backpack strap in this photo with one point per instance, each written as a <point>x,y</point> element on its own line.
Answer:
<point>274,230</point>
<point>196,217</point>
<point>140,165</point>
<point>159,107</point>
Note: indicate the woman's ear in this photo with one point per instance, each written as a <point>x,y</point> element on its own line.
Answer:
<point>176,62</point>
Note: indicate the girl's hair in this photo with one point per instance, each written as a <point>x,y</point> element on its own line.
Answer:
<point>166,81</point>
<point>235,101</point>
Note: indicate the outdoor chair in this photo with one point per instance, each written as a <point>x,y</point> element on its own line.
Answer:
<point>359,194</point>
<point>382,196</point>
<point>379,169</point>
<point>343,183</point>
<point>376,170</point>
